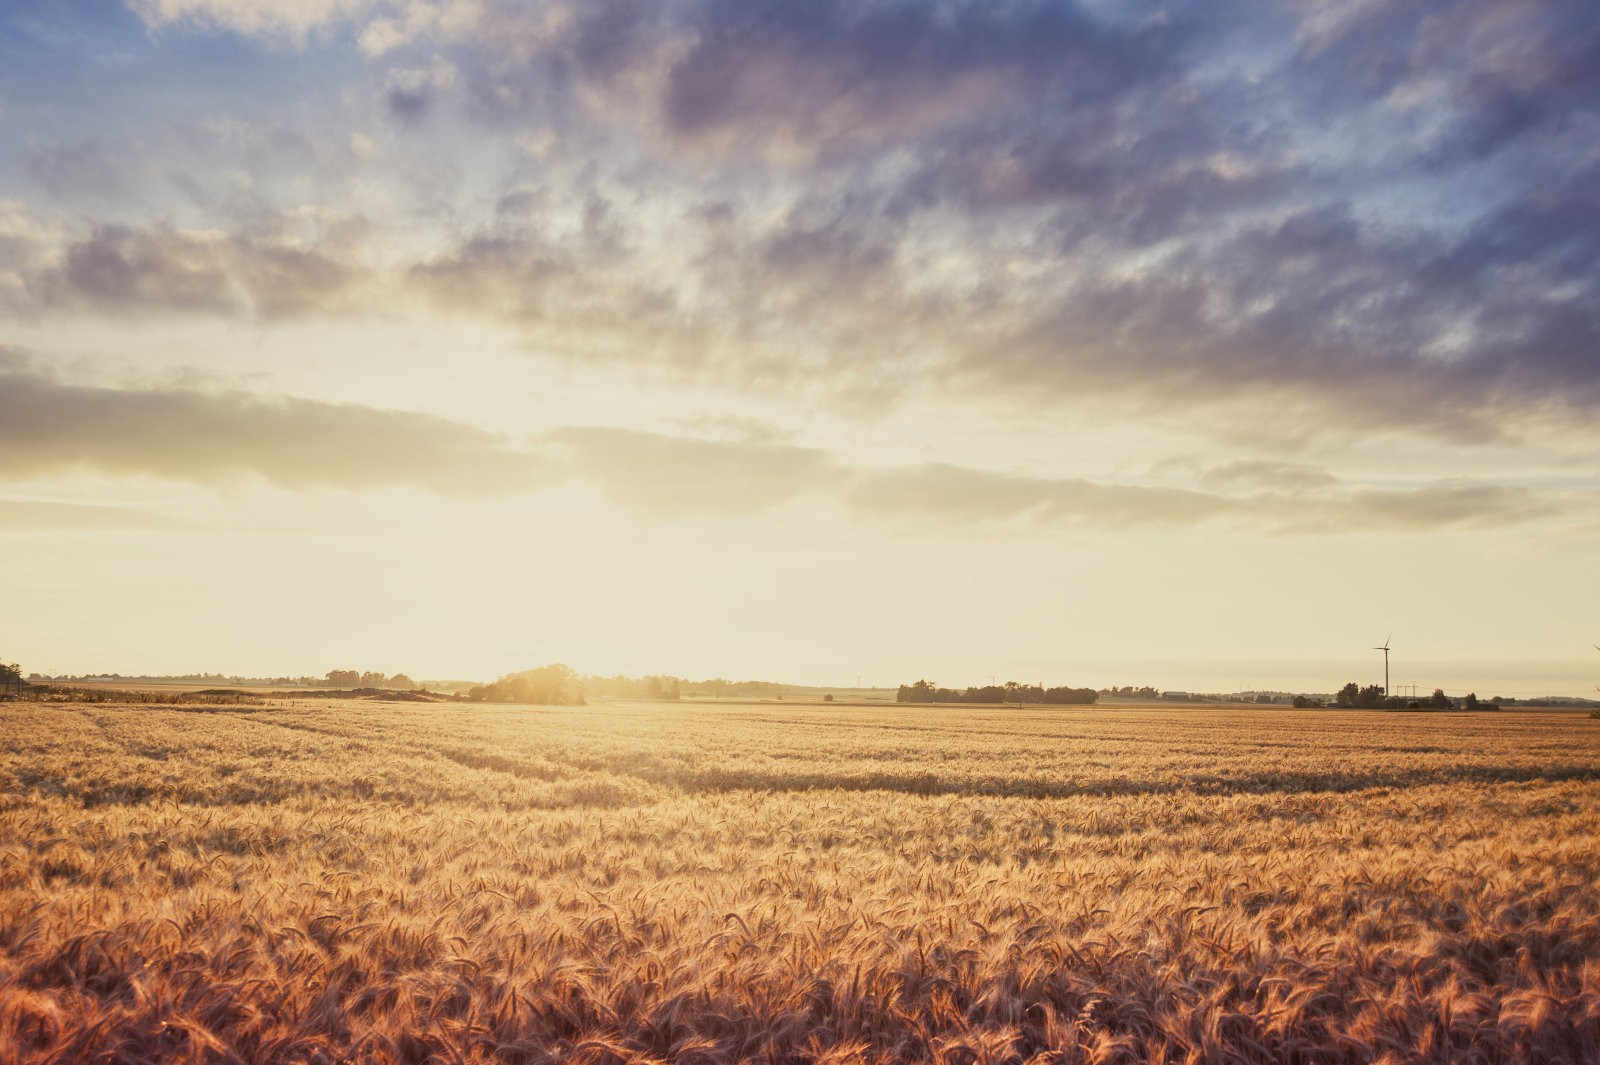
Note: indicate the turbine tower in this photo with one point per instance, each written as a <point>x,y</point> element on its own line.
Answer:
<point>1385,650</point>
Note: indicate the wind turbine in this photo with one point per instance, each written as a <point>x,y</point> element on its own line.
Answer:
<point>1385,650</point>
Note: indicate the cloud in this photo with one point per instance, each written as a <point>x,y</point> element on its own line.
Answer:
<point>291,23</point>
<point>1334,324</point>
<point>80,169</point>
<point>822,73</point>
<point>410,92</point>
<point>48,427</point>
<point>1268,474</point>
<point>1125,213</point>
<point>941,493</point>
<point>22,515</point>
<point>1285,220</point>
<point>733,428</point>
<point>1488,74</point>
<point>674,475</point>
<point>1450,504</point>
<point>121,268</point>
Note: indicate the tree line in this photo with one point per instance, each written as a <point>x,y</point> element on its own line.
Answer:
<point>552,685</point>
<point>560,685</point>
<point>1355,696</point>
<point>353,678</point>
<point>925,691</point>
<point>334,678</point>
<point>654,687</point>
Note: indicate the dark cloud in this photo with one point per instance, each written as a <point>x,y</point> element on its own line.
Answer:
<point>1336,320</point>
<point>119,267</point>
<point>408,105</point>
<point>1281,220</point>
<point>410,93</point>
<point>1335,323</point>
<point>47,427</point>
<point>1484,75</point>
<point>816,73</point>
<point>1191,210</point>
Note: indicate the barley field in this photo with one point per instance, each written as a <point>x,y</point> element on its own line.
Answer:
<point>711,884</point>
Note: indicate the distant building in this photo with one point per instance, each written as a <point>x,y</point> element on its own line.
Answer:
<point>1177,697</point>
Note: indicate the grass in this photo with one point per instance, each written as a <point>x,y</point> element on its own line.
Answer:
<point>358,882</point>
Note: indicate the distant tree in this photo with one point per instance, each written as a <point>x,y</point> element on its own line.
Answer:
<point>1305,702</point>
<point>828,698</point>
<point>552,685</point>
<point>1470,702</point>
<point>1368,698</point>
<point>343,678</point>
<point>1439,700</point>
<point>400,682</point>
<point>925,691</point>
<point>10,675</point>
<point>373,679</point>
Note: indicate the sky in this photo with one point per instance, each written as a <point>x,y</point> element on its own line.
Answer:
<point>1196,344</point>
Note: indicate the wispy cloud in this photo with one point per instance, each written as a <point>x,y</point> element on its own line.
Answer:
<point>22,515</point>
<point>1268,474</point>
<point>667,474</point>
<point>120,269</point>
<point>216,438</point>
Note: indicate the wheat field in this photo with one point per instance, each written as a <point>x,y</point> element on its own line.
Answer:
<point>717,884</point>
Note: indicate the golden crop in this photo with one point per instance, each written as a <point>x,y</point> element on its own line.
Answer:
<point>719,884</point>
